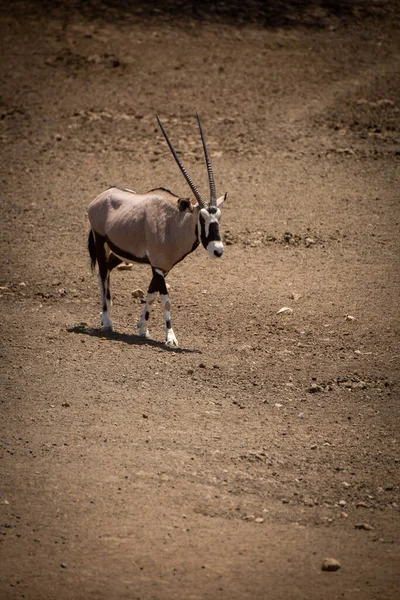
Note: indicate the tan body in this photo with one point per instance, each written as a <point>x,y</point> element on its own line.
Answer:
<point>145,227</point>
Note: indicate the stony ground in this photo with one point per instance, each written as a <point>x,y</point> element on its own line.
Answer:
<point>233,468</point>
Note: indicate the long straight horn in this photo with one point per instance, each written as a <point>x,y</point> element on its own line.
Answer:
<point>213,193</point>
<point>194,189</point>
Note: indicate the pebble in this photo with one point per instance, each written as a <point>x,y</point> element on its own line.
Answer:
<point>365,526</point>
<point>64,566</point>
<point>138,294</point>
<point>314,388</point>
<point>285,309</point>
<point>259,520</point>
<point>342,503</point>
<point>294,296</point>
<point>330,564</point>
<point>308,501</point>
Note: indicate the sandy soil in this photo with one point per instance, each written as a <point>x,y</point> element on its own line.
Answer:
<point>232,468</point>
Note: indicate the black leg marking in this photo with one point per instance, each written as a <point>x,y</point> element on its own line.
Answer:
<point>157,284</point>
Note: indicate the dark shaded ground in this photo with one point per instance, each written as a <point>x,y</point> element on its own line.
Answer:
<point>232,468</point>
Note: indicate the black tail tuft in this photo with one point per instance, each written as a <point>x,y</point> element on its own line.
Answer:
<point>92,249</point>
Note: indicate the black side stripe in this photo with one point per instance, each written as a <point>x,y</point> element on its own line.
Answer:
<point>127,255</point>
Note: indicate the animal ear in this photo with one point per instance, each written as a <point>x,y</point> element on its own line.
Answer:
<point>222,199</point>
<point>185,205</point>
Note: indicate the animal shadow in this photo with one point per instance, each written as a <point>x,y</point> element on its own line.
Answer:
<point>127,338</point>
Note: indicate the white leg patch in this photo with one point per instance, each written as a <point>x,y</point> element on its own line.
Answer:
<point>105,314</point>
<point>142,323</point>
<point>106,321</point>
<point>169,335</point>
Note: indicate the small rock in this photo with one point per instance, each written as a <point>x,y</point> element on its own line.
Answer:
<point>138,294</point>
<point>342,503</point>
<point>285,309</point>
<point>345,484</point>
<point>364,526</point>
<point>362,504</point>
<point>350,318</point>
<point>125,266</point>
<point>64,566</point>
<point>313,447</point>
<point>259,520</point>
<point>315,388</point>
<point>308,501</point>
<point>309,242</point>
<point>330,564</point>
<point>294,296</point>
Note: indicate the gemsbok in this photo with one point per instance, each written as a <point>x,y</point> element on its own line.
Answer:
<point>157,228</point>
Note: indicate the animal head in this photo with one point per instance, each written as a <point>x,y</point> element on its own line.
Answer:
<point>209,213</point>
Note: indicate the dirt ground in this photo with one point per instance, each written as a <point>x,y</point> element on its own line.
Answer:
<point>232,468</point>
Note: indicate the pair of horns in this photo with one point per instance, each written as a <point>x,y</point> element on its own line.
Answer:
<point>200,199</point>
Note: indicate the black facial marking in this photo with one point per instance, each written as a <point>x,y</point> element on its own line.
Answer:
<point>108,294</point>
<point>212,210</point>
<point>213,233</point>
<point>169,326</point>
<point>147,315</point>
<point>213,230</point>
<point>203,237</point>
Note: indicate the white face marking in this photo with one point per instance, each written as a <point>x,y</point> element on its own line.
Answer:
<point>215,248</point>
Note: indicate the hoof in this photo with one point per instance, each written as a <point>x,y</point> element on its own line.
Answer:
<point>145,334</point>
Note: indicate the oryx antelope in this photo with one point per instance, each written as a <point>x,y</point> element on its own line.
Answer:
<point>157,228</point>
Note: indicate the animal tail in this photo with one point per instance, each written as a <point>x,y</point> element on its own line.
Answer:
<point>92,249</point>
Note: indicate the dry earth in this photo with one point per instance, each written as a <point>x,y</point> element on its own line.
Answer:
<point>232,468</point>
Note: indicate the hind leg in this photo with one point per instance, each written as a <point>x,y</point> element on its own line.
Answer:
<point>106,264</point>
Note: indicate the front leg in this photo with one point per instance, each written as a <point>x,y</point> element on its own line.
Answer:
<point>144,319</point>
<point>170,336</point>
<point>158,285</point>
